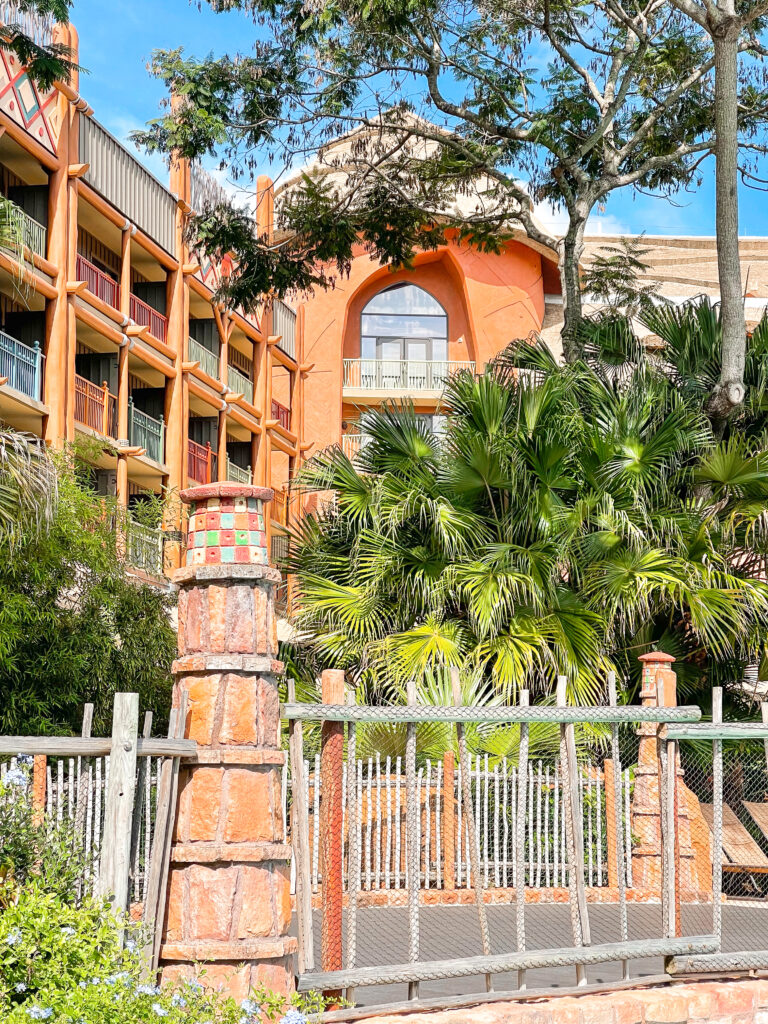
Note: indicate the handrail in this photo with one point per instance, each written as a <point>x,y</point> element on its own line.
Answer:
<point>145,431</point>
<point>144,547</point>
<point>237,381</point>
<point>210,362</point>
<point>22,365</point>
<point>95,406</point>
<point>146,316</point>
<point>549,713</point>
<point>202,463</point>
<point>99,284</point>
<point>33,233</point>
<point>402,374</point>
<point>237,474</point>
<point>284,326</point>
<point>281,413</point>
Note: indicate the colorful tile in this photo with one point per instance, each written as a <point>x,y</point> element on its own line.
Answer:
<point>212,538</point>
<point>242,554</point>
<point>227,538</point>
<point>227,554</point>
<point>212,554</point>
<point>212,521</point>
<point>241,505</point>
<point>241,537</point>
<point>227,520</point>
<point>199,540</point>
<point>241,520</point>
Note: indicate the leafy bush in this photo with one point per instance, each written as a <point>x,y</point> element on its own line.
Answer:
<point>61,958</point>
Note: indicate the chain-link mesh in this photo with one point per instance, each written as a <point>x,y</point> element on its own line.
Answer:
<point>508,814</point>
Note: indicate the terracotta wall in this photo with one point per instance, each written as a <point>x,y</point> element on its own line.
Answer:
<point>491,299</point>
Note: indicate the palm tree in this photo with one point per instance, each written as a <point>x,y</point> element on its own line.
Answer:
<point>570,519</point>
<point>28,488</point>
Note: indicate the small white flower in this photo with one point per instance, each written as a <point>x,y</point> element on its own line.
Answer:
<point>293,1016</point>
<point>13,937</point>
<point>20,987</point>
<point>68,930</point>
<point>159,1010</point>
<point>16,777</point>
<point>40,1012</point>
<point>147,990</point>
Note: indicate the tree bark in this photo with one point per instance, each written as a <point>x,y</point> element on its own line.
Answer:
<point>571,247</point>
<point>730,390</point>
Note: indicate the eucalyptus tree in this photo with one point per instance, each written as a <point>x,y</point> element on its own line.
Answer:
<point>459,114</point>
<point>732,31</point>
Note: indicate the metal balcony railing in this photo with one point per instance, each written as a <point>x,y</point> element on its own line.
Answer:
<point>39,27</point>
<point>209,361</point>
<point>33,234</point>
<point>95,407</point>
<point>99,284</point>
<point>202,463</point>
<point>284,325</point>
<point>239,383</point>
<point>281,414</point>
<point>22,365</point>
<point>351,444</point>
<point>238,475</point>
<point>144,315</point>
<point>145,431</point>
<point>401,374</point>
<point>144,547</point>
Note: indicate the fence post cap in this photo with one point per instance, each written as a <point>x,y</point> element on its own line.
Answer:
<point>656,656</point>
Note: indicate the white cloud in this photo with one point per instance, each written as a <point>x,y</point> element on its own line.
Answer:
<point>556,221</point>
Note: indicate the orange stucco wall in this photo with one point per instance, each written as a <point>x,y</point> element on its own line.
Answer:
<point>491,300</point>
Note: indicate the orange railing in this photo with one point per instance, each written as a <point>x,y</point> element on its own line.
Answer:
<point>202,463</point>
<point>99,284</point>
<point>146,316</point>
<point>279,509</point>
<point>95,407</point>
<point>281,414</point>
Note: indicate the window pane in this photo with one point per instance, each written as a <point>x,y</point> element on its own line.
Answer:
<point>404,299</point>
<point>404,326</point>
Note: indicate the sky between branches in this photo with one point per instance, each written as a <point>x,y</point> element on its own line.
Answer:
<point>124,97</point>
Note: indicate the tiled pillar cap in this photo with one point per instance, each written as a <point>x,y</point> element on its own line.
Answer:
<point>227,490</point>
<point>656,656</point>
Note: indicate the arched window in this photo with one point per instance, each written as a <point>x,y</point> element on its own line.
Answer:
<point>403,322</point>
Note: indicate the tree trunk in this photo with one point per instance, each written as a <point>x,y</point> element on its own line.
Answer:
<point>571,248</point>
<point>730,390</point>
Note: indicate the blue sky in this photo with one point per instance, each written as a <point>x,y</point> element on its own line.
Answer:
<point>115,50</point>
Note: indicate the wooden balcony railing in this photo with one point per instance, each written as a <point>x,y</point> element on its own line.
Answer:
<point>146,432</point>
<point>237,381</point>
<point>238,475</point>
<point>95,407</point>
<point>202,463</point>
<point>144,315</point>
<point>279,507</point>
<point>284,325</point>
<point>22,365</point>
<point>144,548</point>
<point>208,360</point>
<point>99,284</point>
<point>281,414</point>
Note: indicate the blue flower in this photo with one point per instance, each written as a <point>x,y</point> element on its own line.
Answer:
<point>293,1016</point>
<point>147,990</point>
<point>16,777</point>
<point>68,930</point>
<point>20,987</point>
<point>159,1010</point>
<point>250,1006</point>
<point>25,759</point>
<point>13,937</point>
<point>177,999</point>
<point>39,1012</point>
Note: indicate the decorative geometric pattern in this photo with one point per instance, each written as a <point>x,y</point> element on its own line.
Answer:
<point>227,530</point>
<point>21,101</point>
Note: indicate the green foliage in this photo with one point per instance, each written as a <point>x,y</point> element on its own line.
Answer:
<point>571,518</point>
<point>62,958</point>
<point>45,64</point>
<point>73,626</point>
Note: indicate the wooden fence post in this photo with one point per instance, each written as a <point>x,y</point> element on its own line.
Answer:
<point>609,780</point>
<point>449,819</point>
<point>300,842</point>
<point>331,838</point>
<point>39,774</point>
<point>116,845</point>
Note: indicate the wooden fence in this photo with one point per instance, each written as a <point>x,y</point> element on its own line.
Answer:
<point>118,795</point>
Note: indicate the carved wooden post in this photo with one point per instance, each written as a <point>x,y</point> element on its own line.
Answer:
<point>228,909</point>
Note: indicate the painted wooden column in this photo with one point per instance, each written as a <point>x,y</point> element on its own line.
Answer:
<point>229,906</point>
<point>122,366</point>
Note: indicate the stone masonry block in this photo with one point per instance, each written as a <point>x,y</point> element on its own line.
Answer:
<point>281,882</point>
<point>204,795</point>
<point>208,912</point>
<point>174,903</point>
<point>257,914</point>
<point>202,692</point>
<point>241,709</point>
<point>217,618</point>
<point>734,998</point>
<point>663,1007</point>
<point>250,810</point>
<point>240,619</point>
<point>268,714</point>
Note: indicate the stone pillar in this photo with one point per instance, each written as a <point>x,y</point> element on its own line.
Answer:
<point>659,688</point>
<point>229,907</point>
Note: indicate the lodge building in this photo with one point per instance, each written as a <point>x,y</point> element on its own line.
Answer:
<point>108,328</point>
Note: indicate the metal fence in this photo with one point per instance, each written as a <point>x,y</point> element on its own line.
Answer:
<point>520,873</point>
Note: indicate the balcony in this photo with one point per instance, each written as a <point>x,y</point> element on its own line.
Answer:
<point>145,316</point>
<point>238,475</point>
<point>401,374</point>
<point>209,361</point>
<point>279,508</point>
<point>284,326</point>
<point>22,365</point>
<point>145,431</point>
<point>202,463</point>
<point>351,444</point>
<point>95,407</point>
<point>144,548</point>
<point>239,383</point>
<point>281,414</point>
<point>99,284</point>
<point>34,235</point>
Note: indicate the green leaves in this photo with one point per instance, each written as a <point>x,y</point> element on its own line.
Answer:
<point>569,518</point>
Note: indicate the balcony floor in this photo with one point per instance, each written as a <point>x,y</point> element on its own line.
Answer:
<point>21,411</point>
<point>375,396</point>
